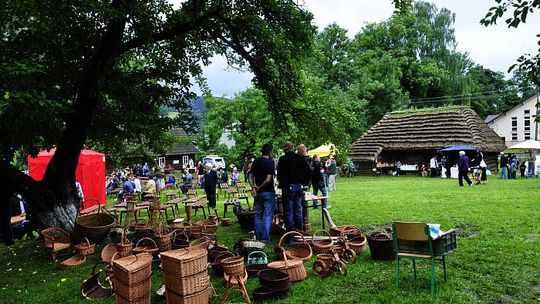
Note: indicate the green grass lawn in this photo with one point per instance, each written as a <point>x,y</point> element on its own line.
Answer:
<point>497,259</point>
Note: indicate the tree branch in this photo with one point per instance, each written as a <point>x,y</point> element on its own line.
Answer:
<point>174,31</point>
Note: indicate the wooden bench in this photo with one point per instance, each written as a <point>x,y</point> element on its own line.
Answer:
<point>171,194</point>
<point>244,196</point>
<point>231,192</point>
<point>200,204</point>
<point>174,202</point>
<point>227,203</point>
<point>191,192</point>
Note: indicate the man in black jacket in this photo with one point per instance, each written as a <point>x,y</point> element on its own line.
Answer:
<point>292,173</point>
<point>210,182</point>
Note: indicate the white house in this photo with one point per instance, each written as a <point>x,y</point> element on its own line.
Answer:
<point>517,124</point>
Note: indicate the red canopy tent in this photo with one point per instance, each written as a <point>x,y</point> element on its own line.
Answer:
<point>90,173</point>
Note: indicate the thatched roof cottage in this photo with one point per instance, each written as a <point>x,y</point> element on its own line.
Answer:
<point>414,136</point>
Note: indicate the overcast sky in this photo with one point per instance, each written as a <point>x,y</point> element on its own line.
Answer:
<point>495,47</point>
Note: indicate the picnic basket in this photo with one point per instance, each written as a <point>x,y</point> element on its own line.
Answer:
<point>133,291</point>
<point>294,268</point>
<point>200,297</point>
<point>302,251</point>
<point>133,269</point>
<point>187,285</point>
<point>184,262</point>
<point>95,226</point>
<point>85,247</point>
<point>322,245</point>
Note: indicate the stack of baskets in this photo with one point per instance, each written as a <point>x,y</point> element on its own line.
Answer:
<point>132,279</point>
<point>186,275</point>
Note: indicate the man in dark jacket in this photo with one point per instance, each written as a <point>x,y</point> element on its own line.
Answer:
<point>292,173</point>
<point>463,166</point>
<point>317,180</point>
<point>210,182</point>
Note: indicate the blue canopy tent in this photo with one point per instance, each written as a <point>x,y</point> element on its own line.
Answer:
<point>457,149</point>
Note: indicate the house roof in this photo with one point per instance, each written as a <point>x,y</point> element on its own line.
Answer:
<point>533,96</point>
<point>426,129</point>
<point>182,148</point>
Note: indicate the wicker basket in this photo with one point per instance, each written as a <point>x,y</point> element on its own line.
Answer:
<point>302,251</point>
<point>197,298</point>
<point>274,280</point>
<point>125,247</point>
<point>179,239</point>
<point>200,243</point>
<point>261,295</point>
<point>134,291</point>
<point>85,248</point>
<point>73,261</point>
<point>233,265</point>
<point>325,257</point>
<point>95,226</point>
<point>133,269</point>
<point>294,268</point>
<point>216,263</point>
<point>348,230</point>
<point>381,246</point>
<point>107,253</point>
<point>151,248</point>
<point>187,285</point>
<point>253,269</point>
<point>143,300</point>
<point>322,246</point>
<point>184,262</point>
<point>358,243</point>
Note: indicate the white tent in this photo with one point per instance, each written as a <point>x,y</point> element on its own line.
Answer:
<point>524,146</point>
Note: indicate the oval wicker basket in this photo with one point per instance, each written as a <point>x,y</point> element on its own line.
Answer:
<point>95,226</point>
<point>73,261</point>
<point>354,237</point>
<point>322,246</point>
<point>274,280</point>
<point>348,230</point>
<point>294,268</point>
<point>358,243</point>
<point>85,247</point>
<point>184,262</point>
<point>302,251</point>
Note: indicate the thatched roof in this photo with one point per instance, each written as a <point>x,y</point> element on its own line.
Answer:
<point>184,147</point>
<point>426,129</point>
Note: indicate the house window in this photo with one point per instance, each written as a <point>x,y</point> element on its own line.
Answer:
<point>527,135</point>
<point>185,160</point>
<point>514,128</point>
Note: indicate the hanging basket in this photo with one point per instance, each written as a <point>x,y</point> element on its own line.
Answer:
<point>322,245</point>
<point>302,251</point>
<point>85,248</point>
<point>95,226</point>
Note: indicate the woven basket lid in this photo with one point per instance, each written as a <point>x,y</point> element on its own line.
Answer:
<point>184,254</point>
<point>133,263</point>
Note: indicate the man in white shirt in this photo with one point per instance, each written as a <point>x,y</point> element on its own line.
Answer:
<point>433,166</point>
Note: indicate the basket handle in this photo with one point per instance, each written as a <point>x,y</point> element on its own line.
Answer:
<point>146,238</point>
<point>291,232</point>
<point>114,256</point>
<point>314,234</point>
<point>344,229</point>
<point>261,253</point>
<point>87,242</point>
<point>176,231</point>
<point>95,265</point>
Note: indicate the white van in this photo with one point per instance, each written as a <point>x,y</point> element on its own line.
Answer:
<point>217,161</point>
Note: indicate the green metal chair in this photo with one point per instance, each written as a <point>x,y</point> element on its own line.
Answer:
<point>413,241</point>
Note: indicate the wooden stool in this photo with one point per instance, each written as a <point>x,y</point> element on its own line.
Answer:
<point>227,203</point>
<point>236,281</point>
<point>231,192</point>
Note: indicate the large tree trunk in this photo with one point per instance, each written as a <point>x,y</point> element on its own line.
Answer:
<point>52,202</point>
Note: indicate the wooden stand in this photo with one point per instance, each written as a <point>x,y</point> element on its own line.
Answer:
<point>236,281</point>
